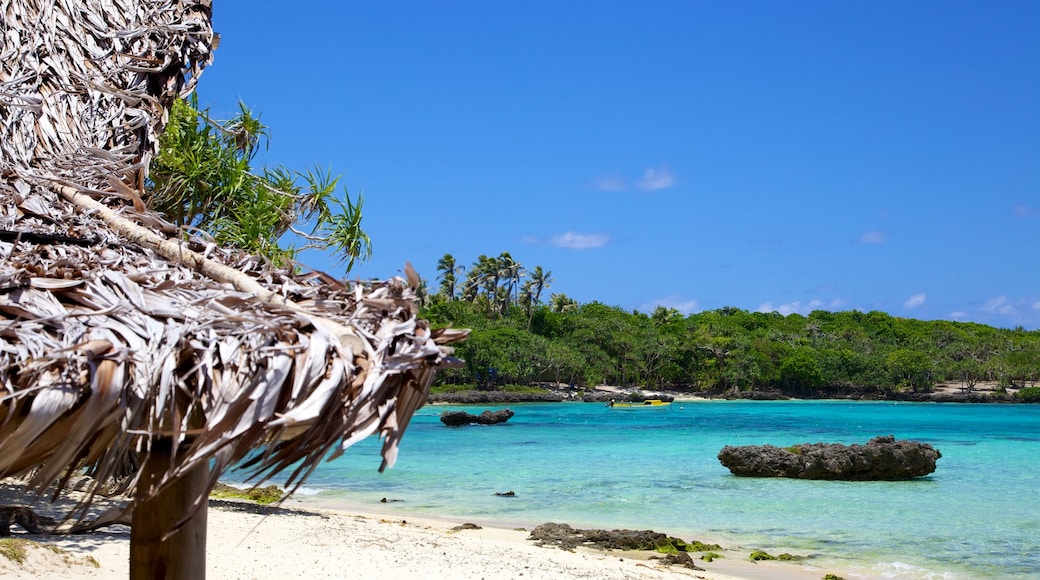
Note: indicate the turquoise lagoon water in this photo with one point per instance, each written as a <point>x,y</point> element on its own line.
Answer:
<point>977,516</point>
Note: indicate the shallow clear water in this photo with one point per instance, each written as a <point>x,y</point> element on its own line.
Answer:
<point>977,516</point>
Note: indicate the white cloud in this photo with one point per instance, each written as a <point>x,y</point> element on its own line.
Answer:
<point>673,301</point>
<point>998,305</point>
<point>1023,210</point>
<point>798,307</point>
<point>784,309</point>
<point>1036,305</point>
<point>575,241</point>
<point>611,184</point>
<point>655,179</point>
<point>959,314</point>
<point>873,237</point>
<point>915,301</point>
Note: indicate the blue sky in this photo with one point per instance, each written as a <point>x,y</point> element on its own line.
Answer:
<point>787,156</point>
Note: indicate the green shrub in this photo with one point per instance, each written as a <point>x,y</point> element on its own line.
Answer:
<point>522,389</point>
<point>1029,395</point>
<point>452,388</point>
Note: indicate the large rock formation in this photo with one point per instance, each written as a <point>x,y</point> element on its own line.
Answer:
<point>458,418</point>
<point>881,459</point>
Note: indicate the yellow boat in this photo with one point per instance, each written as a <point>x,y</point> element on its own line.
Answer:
<point>647,404</point>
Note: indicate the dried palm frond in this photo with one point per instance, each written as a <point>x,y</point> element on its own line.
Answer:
<point>118,334</point>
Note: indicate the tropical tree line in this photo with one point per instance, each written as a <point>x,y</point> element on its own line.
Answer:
<point>204,181</point>
<point>526,341</point>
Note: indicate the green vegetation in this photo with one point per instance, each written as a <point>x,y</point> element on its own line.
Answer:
<point>14,549</point>
<point>202,180</point>
<point>504,388</point>
<point>759,555</point>
<point>675,545</point>
<point>1029,395</point>
<point>785,557</point>
<point>261,495</point>
<point>710,556</point>
<point>833,577</point>
<point>520,339</point>
<point>17,549</point>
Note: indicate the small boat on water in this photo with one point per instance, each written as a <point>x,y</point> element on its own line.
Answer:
<point>647,404</point>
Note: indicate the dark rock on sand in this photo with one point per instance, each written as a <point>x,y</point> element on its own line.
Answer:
<point>568,538</point>
<point>881,459</point>
<point>681,559</point>
<point>458,418</point>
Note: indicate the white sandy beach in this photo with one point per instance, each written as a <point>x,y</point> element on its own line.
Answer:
<point>326,544</point>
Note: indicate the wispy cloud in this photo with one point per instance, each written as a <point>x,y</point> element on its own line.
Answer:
<point>915,301</point>
<point>576,241</point>
<point>959,314</point>
<point>1025,211</point>
<point>873,237</point>
<point>1010,311</point>
<point>655,179</point>
<point>798,307</point>
<point>998,305</point>
<point>612,183</point>
<point>673,301</point>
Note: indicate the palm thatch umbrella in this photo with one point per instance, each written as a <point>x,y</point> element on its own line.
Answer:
<point>121,336</point>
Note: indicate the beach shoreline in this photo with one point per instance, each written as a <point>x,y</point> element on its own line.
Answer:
<point>247,541</point>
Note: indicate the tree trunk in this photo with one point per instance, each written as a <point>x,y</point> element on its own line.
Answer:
<point>182,554</point>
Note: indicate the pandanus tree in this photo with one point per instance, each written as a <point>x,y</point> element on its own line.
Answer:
<point>203,178</point>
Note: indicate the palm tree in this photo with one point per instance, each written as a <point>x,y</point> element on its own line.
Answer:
<point>483,276</point>
<point>449,270</point>
<point>540,280</point>
<point>562,303</point>
<point>526,300</point>
<point>511,271</point>
<point>488,274</point>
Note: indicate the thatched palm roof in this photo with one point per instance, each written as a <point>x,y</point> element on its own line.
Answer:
<point>117,332</point>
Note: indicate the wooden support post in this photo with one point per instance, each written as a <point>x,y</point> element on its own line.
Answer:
<point>182,555</point>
